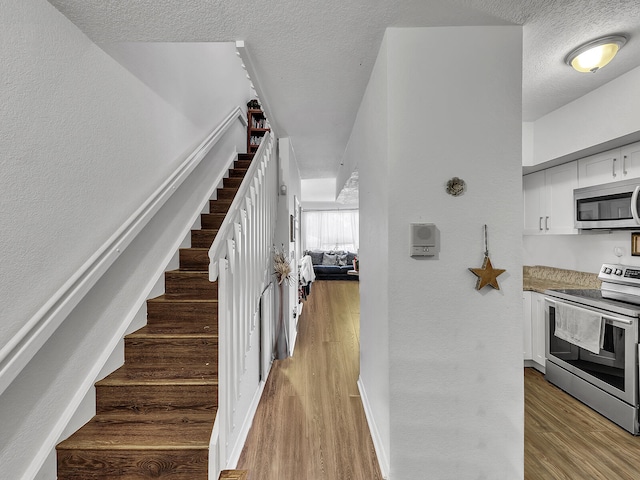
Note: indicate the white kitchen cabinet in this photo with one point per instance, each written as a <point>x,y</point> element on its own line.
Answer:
<point>630,160</point>
<point>548,200</point>
<point>534,202</point>
<point>526,330</point>
<point>534,331</point>
<point>610,166</point>
<point>538,331</point>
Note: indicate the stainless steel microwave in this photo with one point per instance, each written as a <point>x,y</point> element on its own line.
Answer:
<point>609,206</point>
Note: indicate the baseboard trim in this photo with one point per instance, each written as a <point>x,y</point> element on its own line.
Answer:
<point>383,459</point>
<point>534,364</point>
<point>246,426</point>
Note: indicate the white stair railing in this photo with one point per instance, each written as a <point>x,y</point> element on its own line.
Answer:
<point>240,261</point>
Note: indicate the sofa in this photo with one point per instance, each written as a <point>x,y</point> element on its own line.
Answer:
<point>332,265</point>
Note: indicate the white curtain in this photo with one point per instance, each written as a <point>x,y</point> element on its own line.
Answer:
<point>331,230</point>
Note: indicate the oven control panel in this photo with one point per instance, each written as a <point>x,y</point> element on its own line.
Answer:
<point>620,273</point>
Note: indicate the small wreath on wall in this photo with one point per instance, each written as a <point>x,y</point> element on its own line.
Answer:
<point>456,186</point>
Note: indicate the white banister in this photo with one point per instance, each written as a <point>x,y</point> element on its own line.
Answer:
<point>240,259</point>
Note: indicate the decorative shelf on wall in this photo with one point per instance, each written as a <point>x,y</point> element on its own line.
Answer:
<point>257,127</point>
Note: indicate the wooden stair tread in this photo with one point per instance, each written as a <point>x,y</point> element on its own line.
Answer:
<point>150,332</point>
<point>165,375</point>
<point>170,299</point>
<point>149,431</point>
<point>234,475</point>
<point>187,296</point>
<point>180,328</point>
<point>189,273</point>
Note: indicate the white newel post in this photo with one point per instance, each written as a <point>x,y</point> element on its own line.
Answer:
<point>223,365</point>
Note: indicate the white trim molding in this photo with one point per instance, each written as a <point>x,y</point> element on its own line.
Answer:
<point>248,65</point>
<point>381,453</point>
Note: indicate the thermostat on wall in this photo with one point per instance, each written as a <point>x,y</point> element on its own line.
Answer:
<point>424,240</point>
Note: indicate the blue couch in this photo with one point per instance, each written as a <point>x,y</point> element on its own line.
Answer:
<point>332,265</point>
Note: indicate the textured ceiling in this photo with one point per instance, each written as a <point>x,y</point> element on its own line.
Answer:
<point>313,59</point>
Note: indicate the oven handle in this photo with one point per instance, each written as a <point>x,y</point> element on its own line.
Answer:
<point>605,316</point>
<point>634,205</point>
<point>619,320</point>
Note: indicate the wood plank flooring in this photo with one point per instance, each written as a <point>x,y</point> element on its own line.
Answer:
<point>565,439</point>
<point>310,424</point>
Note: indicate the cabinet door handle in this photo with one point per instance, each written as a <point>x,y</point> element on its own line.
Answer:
<point>540,224</point>
<point>613,168</point>
<point>624,164</point>
<point>546,223</point>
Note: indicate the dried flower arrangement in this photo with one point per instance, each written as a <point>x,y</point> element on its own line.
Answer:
<point>282,271</point>
<point>281,265</point>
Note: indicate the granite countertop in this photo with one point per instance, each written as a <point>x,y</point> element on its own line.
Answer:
<point>538,278</point>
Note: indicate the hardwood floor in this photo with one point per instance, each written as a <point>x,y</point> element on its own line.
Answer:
<point>310,424</point>
<point>565,439</point>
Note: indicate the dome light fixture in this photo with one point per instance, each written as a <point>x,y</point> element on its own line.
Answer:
<point>593,55</point>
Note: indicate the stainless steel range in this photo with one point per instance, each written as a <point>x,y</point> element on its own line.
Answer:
<point>592,343</point>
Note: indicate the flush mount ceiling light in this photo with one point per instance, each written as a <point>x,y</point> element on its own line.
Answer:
<point>594,55</point>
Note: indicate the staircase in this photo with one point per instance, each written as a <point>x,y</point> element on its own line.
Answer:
<point>154,415</point>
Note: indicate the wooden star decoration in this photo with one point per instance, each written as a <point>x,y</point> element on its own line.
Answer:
<point>487,275</point>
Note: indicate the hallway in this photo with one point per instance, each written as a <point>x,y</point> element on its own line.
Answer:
<point>310,424</point>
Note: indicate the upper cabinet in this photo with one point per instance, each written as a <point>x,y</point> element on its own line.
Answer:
<point>548,200</point>
<point>630,160</point>
<point>610,166</point>
<point>548,194</point>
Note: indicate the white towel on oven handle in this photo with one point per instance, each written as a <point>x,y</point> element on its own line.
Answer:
<point>580,327</point>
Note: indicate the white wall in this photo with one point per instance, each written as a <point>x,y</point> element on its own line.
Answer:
<point>84,144</point>
<point>527,143</point>
<point>289,176</point>
<point>368,150</point>
<point>455,360</point>
<point>318,190</point>
<point>187,76</point>
<point>584,252</point>
<point>602,115</point>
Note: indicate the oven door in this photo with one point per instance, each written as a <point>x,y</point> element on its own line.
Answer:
<point>614,368</point>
